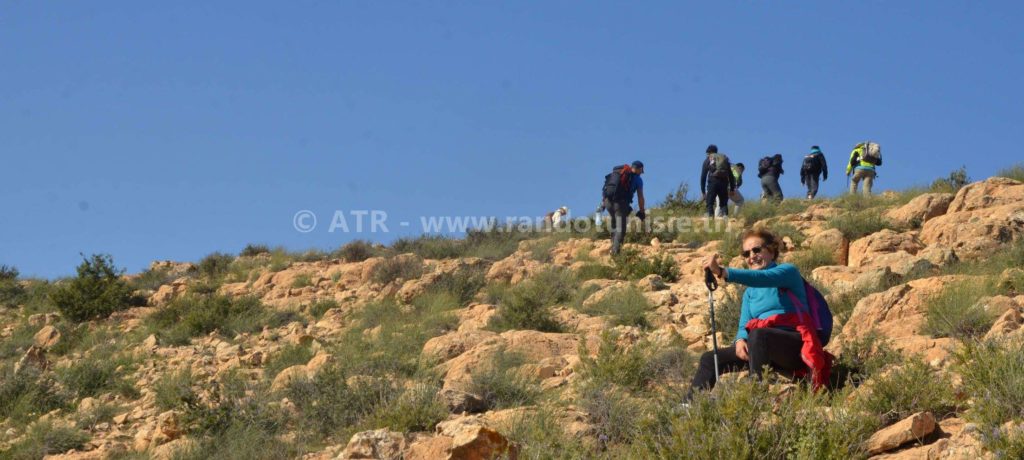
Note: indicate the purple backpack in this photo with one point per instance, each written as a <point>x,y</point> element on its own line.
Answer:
<point>821,315</point>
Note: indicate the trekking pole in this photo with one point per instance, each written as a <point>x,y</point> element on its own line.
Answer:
<point>712,284</point>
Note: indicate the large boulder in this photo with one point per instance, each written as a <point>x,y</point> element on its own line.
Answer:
<point>532,346</point>
<point>864,250</point>
<point>975,233</point>
<point>382,444</point>
<point>445,347</point>
<point>990,193</point>
<point>841,279</point>
<point>833,240</point>
<point>913,428</point>
<point>920,210</point>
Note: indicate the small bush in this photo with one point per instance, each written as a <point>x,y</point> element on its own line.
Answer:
<point>541,434</point>
<point>993,377</point>
<point>500,385</point>
<point>431,247</point>
<point>614,414</point>
<point>319,307</point>
<point>527,305</point>
<point>1015,172</point>
<point>288,356</point>
<point>397,268</point>
<point>193,315</point>
<point>902,391</point>
<point>627,306</point>
<point>174,389</point>
<point>865,358</point>
<point>952,183</point>
<point>328,403</point>
<point>631,265</point>
<point>253,250</point>
<point>356,251</point>
<point>855,225</point>
<point>8,273</point>
<point>95,293</point>
<point>215,265</point>
<point>462,284</point>
<point>753,211</point>
<point>809,259</point>
<point>47,438</point>
<point>787,230</point>
<point>28,394</point>
<point>618,365</point>
<point>11,293</point>
<point>596,271</point>
<point>540,249</point>
<point>415,409</point>
<point>955,311</point>
<point>302,280</point>
<point>679,202</point>
<point>152,279</point>
<point>100,371</point>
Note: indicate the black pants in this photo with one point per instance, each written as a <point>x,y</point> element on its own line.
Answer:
<point>619,213</point>
<point>770,188</point>
<point>778,348</point>
<point>811,180</point>
<point>717,189</point>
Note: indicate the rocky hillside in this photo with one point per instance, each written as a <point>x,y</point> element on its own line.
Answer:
<point>547,350</point>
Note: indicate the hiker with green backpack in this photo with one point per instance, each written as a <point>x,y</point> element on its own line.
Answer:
<point>716,182</point>
<point>784,321</point>
<point>865,157</point>
<point>617,197</point>
<point>813,168</point>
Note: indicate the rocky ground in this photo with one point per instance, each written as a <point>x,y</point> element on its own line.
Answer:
<point>883,286</point>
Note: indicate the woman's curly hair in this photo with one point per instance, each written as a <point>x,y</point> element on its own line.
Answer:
<point>771,242</point>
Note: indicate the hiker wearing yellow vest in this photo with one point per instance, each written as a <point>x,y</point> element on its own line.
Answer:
<point>865,157</point>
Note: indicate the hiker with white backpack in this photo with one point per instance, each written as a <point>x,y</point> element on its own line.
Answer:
<point>784,322</point>
<point>865,157</point>
<point>716,182</point>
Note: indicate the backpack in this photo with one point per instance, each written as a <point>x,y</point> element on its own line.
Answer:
<point>721,169</point>
<point>872,153</point>
<point>616,184</point>
<point>811,165</point>
<point>821,315</point>
<point>763,166</point>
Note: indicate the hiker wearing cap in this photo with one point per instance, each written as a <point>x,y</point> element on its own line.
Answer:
<point>769,169</point>
<point>617,197</point>
<point>770,331</point>
<point>864,158</point>
<point>716,182</point>
<point>813,168</point>
<point>736,197</point>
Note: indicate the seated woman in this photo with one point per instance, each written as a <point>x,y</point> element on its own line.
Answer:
<point>768,328</point>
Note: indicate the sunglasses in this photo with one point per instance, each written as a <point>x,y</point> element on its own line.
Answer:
<point>755,250</point>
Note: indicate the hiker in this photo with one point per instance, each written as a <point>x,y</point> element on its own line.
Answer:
<point>814,166</point>
<point>736,196</point>
<point>555,218</point>
<point>864,158</point>
<point>769,169</point>
<point>716,182</point>
<point>767,334</point>
<point>617,196</point>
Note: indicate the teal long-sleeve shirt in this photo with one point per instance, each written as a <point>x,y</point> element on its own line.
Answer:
<point>762,298</point>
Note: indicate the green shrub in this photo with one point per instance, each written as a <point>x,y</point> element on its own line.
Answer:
<point>28,394</point>
<point>952,183</point>
<point>495,243</point>
<point>955,311</point>
<point>678,202</point>
<point>20,338</point>
<point>356,251</point>
<point>152,279</point>
<point>253,250</point>
<point>95,293</point>
<point>462,284</point>
<point>540,249</point>
<point>902,391</point>
<point>733,422</point>
<point>397,268</point>
<point>193,315</point>
<point>46,438</point>
<point>302,280</point>
<point>288,356</point>
<point>431,247</point>
<point>102,413</point>
<point>8,273</point>
<point>613,413</point>
<point>596,271</point>
<point>527,305</point>
<point>753,211</point>
<point>11,292</point>
<point>215,265</point>
<point>415,409</point>
<point>500,385</point>
<point>541,434</point>
<point>809,259</point>
<point>329,404</point>
<point>993,377</point>
<point>626,367</point>
<point>174,389</point>
<point>1015,172</point>
<point>787,230</point>
<point>100,371</point>
<point>319,307</point>
<point>855,225</point>
<point>631,265</point>
<point>627,306</point>
<point>865,358</point>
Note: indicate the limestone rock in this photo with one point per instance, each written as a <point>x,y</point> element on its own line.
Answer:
<point>651,283</point>
<point>973,234</point>
<point>461,402</point>
<point>921,209</point>
<point>33,357</point>
<point>47,337</point>
<point>912,428</point>
<point>862,251</point>
<point>990,193</point>
<point>289,375</point>
<point>448,346</point>
<point>382,444</point>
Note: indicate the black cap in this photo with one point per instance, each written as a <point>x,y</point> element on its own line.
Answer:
<point>638,164</point>
<point>712,149</point>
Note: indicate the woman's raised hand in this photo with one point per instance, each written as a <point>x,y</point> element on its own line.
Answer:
<point>713,263</point>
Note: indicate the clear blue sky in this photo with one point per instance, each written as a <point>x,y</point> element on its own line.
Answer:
<point>168,130</point>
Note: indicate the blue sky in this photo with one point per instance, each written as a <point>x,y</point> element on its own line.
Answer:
<point>168,130</point>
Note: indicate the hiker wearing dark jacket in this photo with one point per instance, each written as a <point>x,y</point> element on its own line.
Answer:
<point>716,182</point>
<point>765,335</point>
<point>769,169</point>
<point>814,167</point>
<point>619,210</point>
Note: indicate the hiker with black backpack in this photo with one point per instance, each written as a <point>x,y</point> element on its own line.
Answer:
<point>813,168</point>
<point>784,322</point>
<point>864,158</point>
<point>716,182</point>
<point>769,169</point>
<point>617,195</point>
